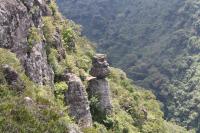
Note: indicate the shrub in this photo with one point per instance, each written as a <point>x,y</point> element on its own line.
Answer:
<point>34,37</point>
<point>68,37</point>
<point>60,89</point>
<point>48,29</point>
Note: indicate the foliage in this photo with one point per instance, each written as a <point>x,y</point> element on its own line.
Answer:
<point>134,109</point>
<point>48,29</point>
<point>68,37</point>
<point>155,42</point>
<point>34,37</point>
<point>42,114</point>
<point>60,89</point>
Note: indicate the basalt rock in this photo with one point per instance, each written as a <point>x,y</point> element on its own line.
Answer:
<point>16,19</point>
<point>100,67</point>
<point>76,98</point>
<point>13,79</point>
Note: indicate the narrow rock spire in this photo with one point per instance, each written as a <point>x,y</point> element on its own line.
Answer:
<point>77,100</point>
<point>99,86</point>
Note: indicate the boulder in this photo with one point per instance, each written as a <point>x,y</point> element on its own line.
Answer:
<point>100,68</point>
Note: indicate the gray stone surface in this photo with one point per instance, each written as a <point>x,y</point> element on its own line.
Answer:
<point>100,89</point>
<point>100,68</point>
<point>76,98</point>
<point>16,18</point>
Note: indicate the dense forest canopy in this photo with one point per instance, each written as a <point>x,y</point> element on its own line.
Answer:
<point>156,42</point>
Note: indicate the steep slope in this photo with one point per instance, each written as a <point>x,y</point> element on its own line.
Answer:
<point>44,68</point>
<point>155,42</point>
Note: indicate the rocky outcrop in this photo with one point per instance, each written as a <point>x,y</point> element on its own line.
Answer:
<point>99,86</point>
<point>16,18</point>
<point>77,100</point>
<point>100,66</point>
<point>37,66</point>
<point>13,79</point>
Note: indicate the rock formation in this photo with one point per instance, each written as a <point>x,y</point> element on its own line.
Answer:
<point>15,23</point>
<point>12,78</point>
<point>99,87</point>
<point>76,98</point>
<point>100,66</point>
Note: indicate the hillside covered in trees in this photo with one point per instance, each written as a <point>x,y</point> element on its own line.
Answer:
<point>155,42</point>
<point>52,80</point>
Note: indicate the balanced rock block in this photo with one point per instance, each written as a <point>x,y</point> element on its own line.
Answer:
<point>100,68</point>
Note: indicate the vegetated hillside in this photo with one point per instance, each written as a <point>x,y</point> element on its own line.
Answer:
<point>155,42</point>
<point>37,48</point>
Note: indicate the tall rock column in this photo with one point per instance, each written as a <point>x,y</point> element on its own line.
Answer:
<point>99,87</point>
<point>76,98</point>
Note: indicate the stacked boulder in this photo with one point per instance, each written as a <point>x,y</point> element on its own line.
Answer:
<point>77,100</point>
<point>98,87</point>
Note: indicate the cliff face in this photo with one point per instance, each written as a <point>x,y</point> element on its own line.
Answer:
<point>44,68</point>
<point>17,19</point>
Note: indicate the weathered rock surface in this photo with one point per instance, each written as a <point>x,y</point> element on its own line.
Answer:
<point>16,18</point>
<point>99,87</point>
<point>12,78</point>
<point>74,129</point>
<point>59,45</point>
<point>100,67</point>
<point>37,66</point>
<point>76,98</point>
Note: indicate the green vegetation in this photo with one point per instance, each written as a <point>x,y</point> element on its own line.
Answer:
<point>42,113</point>
<point>48,29</point>
<point>134,105</point>
<point>34,37</point>
<point>41,109</point>
<point>155,42</point>
<point>68,37</point>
